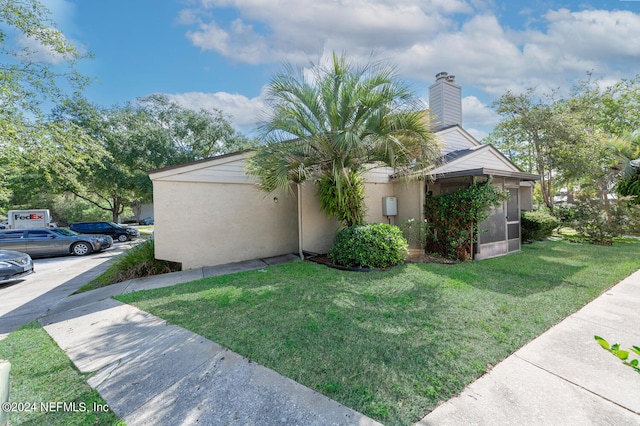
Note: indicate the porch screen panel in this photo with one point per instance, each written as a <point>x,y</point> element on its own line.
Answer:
<point>493,229</point>
<point>513,209</point>
<point>513,230</point>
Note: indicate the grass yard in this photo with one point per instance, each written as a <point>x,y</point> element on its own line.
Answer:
<point>42,373</point>
<point>393,344</point>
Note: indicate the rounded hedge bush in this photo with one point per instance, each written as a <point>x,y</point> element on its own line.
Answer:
<point>537,225</point>
<point>375,245</point>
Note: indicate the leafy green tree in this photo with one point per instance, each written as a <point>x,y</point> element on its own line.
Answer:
<point>37,65</point>
<point>543,136</point>
<point>330,122</point>
<point>610,113</point>
<point>101,178</point>
<point>38,62</point>
<point>193,134</point>
<point>612,109</point>
<point>625,153</point>
<point>587,143</point>
<point>146,134</point>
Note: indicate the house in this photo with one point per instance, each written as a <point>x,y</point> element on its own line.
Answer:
<point>211,212</point>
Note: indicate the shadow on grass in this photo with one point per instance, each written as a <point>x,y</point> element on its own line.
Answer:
<point>376,342</point>
<point>43,377</point>
<point>539,268</point>
<point>392,344</point>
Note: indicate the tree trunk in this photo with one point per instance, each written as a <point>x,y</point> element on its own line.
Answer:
<point>115,213</point>
<point>605,200</point>
<point>300,252</point>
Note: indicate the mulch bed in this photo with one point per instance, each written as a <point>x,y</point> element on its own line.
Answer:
<point>323,259</point>
<point>428,258</point>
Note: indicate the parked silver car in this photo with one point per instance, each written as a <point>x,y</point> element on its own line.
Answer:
<point>14,266</point>
<point>42,242</point>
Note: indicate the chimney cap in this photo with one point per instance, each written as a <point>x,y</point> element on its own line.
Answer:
<point>441,76</point>
<point>446,77</point>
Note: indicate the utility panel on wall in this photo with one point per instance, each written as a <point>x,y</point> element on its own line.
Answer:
<point>389,206</point>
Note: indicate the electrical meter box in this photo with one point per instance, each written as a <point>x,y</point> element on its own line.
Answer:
<point>389,206</point>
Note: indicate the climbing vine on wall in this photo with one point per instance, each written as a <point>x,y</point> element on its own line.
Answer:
<point>453,219</point>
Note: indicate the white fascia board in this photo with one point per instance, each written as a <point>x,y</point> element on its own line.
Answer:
<point>457,129</point>
<point>191,167</point>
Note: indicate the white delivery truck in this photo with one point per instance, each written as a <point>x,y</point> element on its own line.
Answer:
<point>27,219</point>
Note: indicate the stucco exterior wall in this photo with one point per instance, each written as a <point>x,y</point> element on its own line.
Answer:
<point>526,196</point>
<point>374,192</point>
<point>317,229</point>
<point>211,212</point>
<point>410,196</point>
<point>206,224</point>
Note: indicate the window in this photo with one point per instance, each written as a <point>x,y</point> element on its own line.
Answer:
<point>37,234</point>
<point>102,226</point>
<point>11,235</point>
<point>84,227</point>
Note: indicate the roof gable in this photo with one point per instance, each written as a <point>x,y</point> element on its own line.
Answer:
<point>480,156</point>
<point>227,168</point>
<point>455,138</point>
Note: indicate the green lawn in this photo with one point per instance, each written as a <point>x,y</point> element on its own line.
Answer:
<point>393,344</point>
<point>43,376</point>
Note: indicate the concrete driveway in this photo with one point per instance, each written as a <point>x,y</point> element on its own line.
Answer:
<point>55,279</point>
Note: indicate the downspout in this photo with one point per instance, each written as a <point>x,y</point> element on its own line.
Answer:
<point>300,221</point>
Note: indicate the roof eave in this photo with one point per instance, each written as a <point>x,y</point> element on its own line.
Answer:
<point>483,171</point>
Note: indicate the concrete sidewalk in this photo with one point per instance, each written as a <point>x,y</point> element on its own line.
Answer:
<point>564,376</point>
<point>150,372</point>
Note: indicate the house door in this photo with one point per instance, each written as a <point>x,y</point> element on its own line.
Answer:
<point>513,220</point>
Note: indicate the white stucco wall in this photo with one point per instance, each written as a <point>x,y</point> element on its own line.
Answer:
<point>410,196</point>
<point>374,192</point>
<point>317,229</point>
<point>210,212</point>
<point>206,224</point>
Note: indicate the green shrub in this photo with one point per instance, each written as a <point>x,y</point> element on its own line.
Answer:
<point>343,199</point>
<point>376,245</point>
<point>565,213</point>
<point>600,223</point>
<point>137,262</point>
<point>537,225</point>
<point>415,232</point>
<point>453,219</point>
<point>140,262</point>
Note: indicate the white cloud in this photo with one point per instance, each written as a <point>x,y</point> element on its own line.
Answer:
<point>241,42</point>
<point>423,37</point>
<point>295,30</point>
<point>477,114</point>
<point>33,50</point>
<point>478,134</point>
<point>245,112</point>
<point>62,15</point>
<point>581,41</point>
<point>600,33</point>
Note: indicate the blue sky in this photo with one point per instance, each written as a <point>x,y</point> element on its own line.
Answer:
<point>221,53</point>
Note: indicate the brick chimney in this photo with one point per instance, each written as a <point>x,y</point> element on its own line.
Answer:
<point>445,101</point>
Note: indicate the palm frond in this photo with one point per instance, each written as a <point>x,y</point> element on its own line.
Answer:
<point>332,120</point>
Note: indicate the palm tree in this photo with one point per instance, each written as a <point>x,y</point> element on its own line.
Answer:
<point>625,151</point>
<point>331,122</point>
